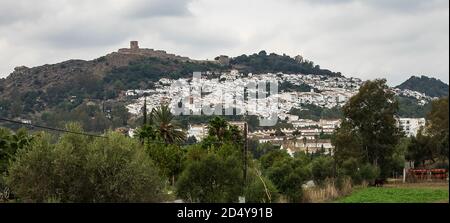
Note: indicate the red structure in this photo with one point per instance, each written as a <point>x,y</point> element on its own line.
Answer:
<point>428,174</point>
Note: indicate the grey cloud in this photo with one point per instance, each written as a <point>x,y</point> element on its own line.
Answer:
<point>12,11</point>
<point>84,36</point>
<point>158,8</point>
<point>391,5</point>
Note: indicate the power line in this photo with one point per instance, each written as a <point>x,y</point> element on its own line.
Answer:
<point>50,128</point>
<point>99,136</point>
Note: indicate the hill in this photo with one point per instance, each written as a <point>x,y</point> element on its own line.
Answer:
<point>52,90</point>
<point>429,86</point>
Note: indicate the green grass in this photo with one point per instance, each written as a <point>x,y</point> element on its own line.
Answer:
<point>397,195</point>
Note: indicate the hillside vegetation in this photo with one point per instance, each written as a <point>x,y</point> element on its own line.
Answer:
<point>430,86</point>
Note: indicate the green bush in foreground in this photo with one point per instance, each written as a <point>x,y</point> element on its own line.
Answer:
<point>80,169</point>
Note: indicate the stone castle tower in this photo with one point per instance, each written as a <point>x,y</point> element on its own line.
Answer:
<point>134,45</point>
<point>135,50</point>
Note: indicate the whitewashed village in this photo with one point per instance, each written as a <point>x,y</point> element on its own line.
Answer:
<point>305,135</point>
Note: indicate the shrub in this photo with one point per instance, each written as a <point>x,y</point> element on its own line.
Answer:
<point>210,179</point>
<point>321,169</point>
<point>78,169</point>
<point>260,189</point>
<point>369,172</point>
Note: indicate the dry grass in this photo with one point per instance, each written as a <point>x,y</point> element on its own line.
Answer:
<point>327,192</point>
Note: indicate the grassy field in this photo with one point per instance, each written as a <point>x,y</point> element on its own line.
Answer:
<point>408,193</point>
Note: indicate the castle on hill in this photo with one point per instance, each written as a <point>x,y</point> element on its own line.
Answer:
<point>135,50</point>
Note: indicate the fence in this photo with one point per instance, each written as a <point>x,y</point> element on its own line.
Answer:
<point>415,175</point>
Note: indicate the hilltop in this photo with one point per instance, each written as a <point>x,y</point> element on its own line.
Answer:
<point>429,86</point>
<point>31,92</point>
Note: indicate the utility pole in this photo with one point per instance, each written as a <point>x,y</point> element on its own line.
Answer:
<point>245,152</point>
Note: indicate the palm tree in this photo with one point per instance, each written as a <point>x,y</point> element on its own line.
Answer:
<point>165,126</point>
<point>218,127</point>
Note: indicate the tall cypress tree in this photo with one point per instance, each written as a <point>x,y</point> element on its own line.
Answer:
<point>144,111</point>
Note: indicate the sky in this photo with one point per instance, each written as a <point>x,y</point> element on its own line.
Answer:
<point>369,39</point>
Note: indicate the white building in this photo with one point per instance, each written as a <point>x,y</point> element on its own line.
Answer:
<point>411,126</point>
<point>198,131</point>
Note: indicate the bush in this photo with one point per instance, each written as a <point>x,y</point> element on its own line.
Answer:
<point>260,189</point>
<point>78,169</point>
<point>369,172</point>
<point>211,179</point>
<point>168,158</point>
<point>359,173</point>
<point>321,169</point>
<point>289,176</point>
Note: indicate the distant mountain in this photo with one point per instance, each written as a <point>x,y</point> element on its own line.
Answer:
<point>429,86</point>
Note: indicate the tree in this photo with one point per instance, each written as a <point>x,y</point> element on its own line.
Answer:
<point>218,128</point>
<point>166,127</point>
<point>144,113</point>
<point>146,133</point>
<point>168,158</point>
<point>220,132</point>
<point>358,172</point>
<point>289,176</point>
<point>422,148</point>
<point>437,126</point>
<point>268,159</point>
<point>81,169</point>
<point>260,189</point>
<point>371,115</point>
<point>321,169</point>
<point>279,133</point>
<point>10,143</point>
<point>347,144</point>
<point>211,179</point>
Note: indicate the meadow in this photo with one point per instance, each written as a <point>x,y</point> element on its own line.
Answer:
<point>407,193</point>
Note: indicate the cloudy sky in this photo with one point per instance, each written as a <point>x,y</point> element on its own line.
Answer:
<point>393,39</point>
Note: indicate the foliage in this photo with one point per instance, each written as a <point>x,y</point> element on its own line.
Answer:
<point>431,142</point>
<point>90,115</point>
<point>409,107</point>
<point>287,86</point>
<point>359,172</point>
<point>314,112</point>
<point>268,159</point>
<point>321,169</point>
<point>369,116</point>
<point>262,149</point>
<point>141,73</point>
<point>220,132</point>
<point>437,126</point>
<point>288,176</point>
<point>168,158</point>
<point>10,143</point>
<point>273,63</point>
<point>260,189</point>
<point>80,169</point>
<point>165,126</point>
<point>211,178</point>
<point>430,86</point>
